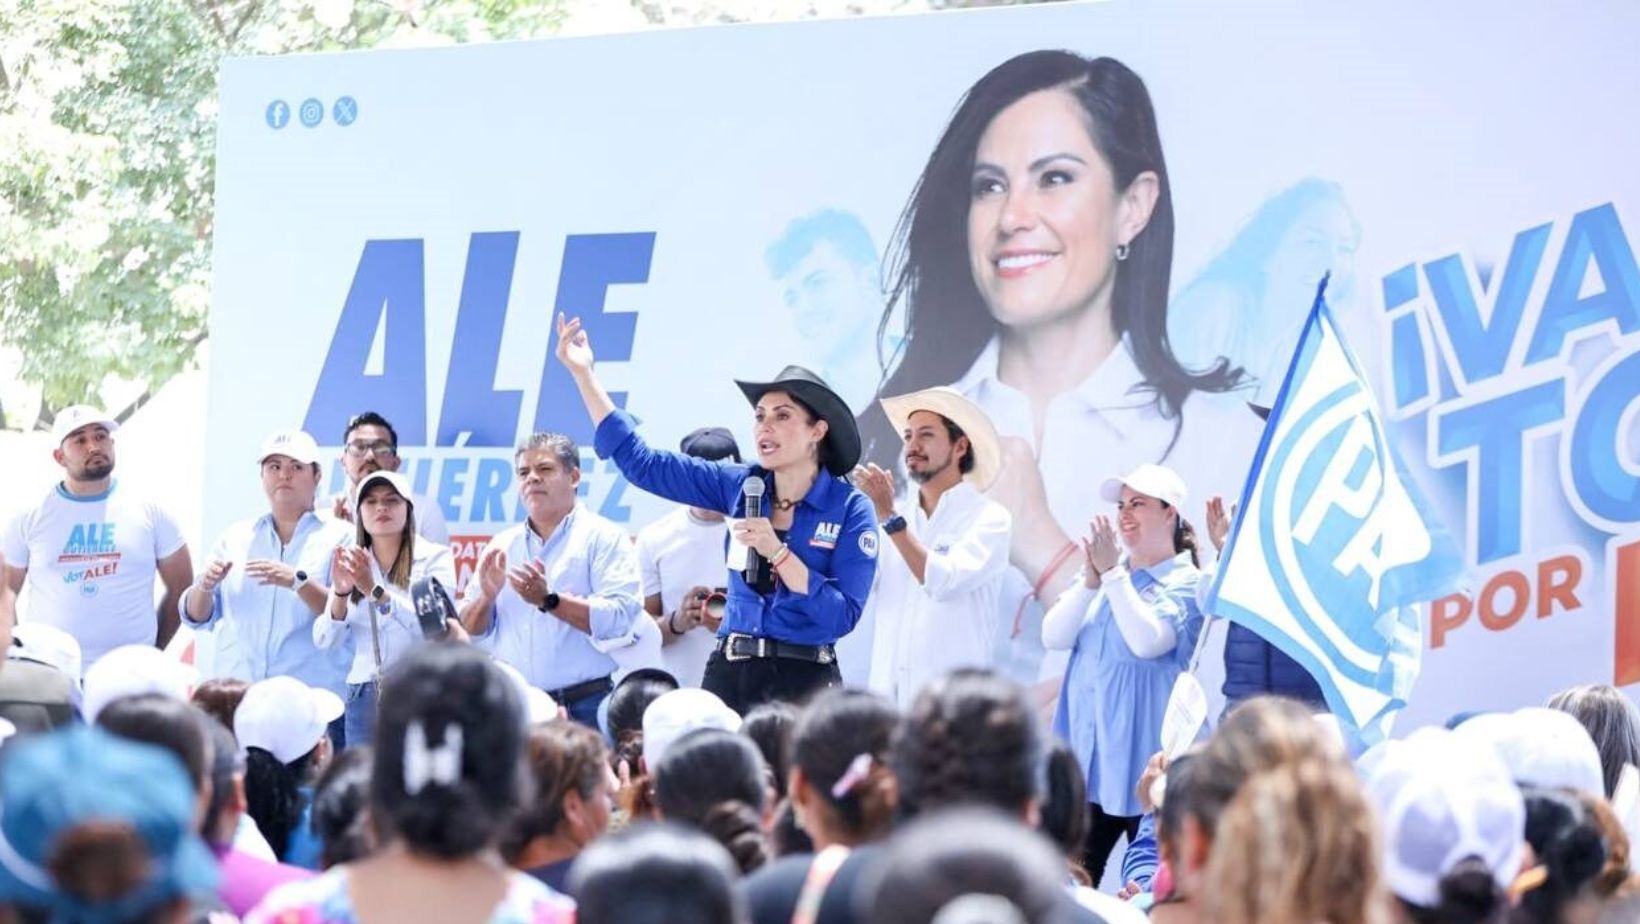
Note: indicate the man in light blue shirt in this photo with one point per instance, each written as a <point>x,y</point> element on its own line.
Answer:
<point>269,577</point>
<point>552,595</point>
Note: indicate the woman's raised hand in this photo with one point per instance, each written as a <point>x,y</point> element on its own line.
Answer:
<point>574,349</point>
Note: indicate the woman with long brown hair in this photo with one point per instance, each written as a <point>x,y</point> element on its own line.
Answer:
<point>370,606</point>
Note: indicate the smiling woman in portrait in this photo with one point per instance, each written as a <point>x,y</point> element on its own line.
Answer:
<point>1032,264</point>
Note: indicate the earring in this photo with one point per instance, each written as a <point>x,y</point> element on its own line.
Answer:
<point>1121,252</point>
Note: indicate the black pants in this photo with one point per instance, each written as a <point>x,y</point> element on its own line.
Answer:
<point>1103,833</point>
<point>744,684</point>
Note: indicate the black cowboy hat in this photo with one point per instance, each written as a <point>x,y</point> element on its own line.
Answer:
<point>842,436</point>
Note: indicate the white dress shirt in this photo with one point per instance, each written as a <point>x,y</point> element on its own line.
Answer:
<point>399,629</point>
<point>949,620</point>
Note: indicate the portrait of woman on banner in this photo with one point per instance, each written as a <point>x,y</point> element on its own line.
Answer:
<point>1032,267</point>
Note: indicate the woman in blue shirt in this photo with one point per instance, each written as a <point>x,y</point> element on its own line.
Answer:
<point>815,540</point>
<point>1131,624</point>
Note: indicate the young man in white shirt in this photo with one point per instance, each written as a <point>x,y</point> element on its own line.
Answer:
<point>370,444</point>
<point>91,551</point>
<point>551,595</point>
<point>935,601</point>
<point>268,578</point>
<point>681,557</point>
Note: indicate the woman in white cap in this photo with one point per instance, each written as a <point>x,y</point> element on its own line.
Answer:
<point>370,591</point>
<point>1131,624</point>
<point>281,724</point>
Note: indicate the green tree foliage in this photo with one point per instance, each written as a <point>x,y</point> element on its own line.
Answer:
<point>107,155</point>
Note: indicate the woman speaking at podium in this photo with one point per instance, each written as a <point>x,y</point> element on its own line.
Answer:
<point>809,537</point>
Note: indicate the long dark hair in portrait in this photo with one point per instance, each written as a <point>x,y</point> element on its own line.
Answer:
<point>947,322</point>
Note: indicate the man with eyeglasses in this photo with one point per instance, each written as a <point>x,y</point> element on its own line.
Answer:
<point>90,550</point>
<point>370,444</point>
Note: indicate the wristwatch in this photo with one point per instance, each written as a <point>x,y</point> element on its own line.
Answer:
<point>895,524</point>
<point>550,603</point>
<point>301,580</point>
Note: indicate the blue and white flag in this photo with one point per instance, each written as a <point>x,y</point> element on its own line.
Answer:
<point>1332,550</point>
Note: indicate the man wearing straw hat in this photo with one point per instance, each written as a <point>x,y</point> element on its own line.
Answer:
<point>935,600</point>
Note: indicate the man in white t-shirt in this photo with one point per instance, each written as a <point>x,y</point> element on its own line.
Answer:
<point>370,444</point>
<point>946,552</point>
<point>681,558</point>
<point>90,551</point>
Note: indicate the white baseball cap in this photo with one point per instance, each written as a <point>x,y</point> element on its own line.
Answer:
<point>679,712</point>
<point>293,443</point>
<point>400,484</point>
<point>538,706</point>
<point>1541,747</point>
<point>76,416</point>
<point>1150,479</point>
<point>49,645</point>
<point>135,670</point>
<point>285,717</point>
<point>1442,800</point>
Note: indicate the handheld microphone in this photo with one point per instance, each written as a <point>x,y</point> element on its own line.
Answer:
<point>751,490</point>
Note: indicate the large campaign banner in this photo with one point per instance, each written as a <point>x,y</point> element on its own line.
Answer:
<point>1103,222</point>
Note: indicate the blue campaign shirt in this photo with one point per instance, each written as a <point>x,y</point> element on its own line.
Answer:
<point>1112,701</point>
<point>262,630</point>
<point>833,532</point>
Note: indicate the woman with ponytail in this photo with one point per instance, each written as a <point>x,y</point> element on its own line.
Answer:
<point>714,780</point>
<point>447,775</point>
<point>1131,623</point>
<point>281,723</point>
<point>844,796</point>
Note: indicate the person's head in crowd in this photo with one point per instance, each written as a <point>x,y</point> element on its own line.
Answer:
<point>170,724</point>
<point>48,645</point>
<point>970,737</point>
<point>655,873</point>
<point>384,511</point>
<point>769,726</point>
<point>1178,799</point>
<point>227,772</point>
<point>369,444</point>
<point>1615,875</point>
<point>549,468</point>
<point>968,865</point>
<point>341,808</point>
<point>715,780</point>
<point>1541,747</point>
<point>679,712</point>
<point>219,697</point>
<point>133,670</point>
<point>574,795</point>
<point>1297,845</point>
<point>290,471</point>
<point>448,769</point>
<point>1611,720</point>
<point>1259,734</point>
<point>1453,826</point>
<point>281,724</point>
<point>1065,807</point>
<point>623,711</point>
<point>84,437</point>
<point>1570,854</point>
<point>99,828</point>
<point>842,788</point>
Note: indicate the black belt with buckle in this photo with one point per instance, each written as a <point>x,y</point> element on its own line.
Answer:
<point>737,647</point>
<point>566,695</point>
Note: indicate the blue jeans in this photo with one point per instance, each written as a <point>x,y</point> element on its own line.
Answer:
<point>360,717</point>
<point>585,709</point>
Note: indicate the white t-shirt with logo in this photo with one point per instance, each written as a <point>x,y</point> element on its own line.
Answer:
<point>91,565</point>
<point>675,553</point>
